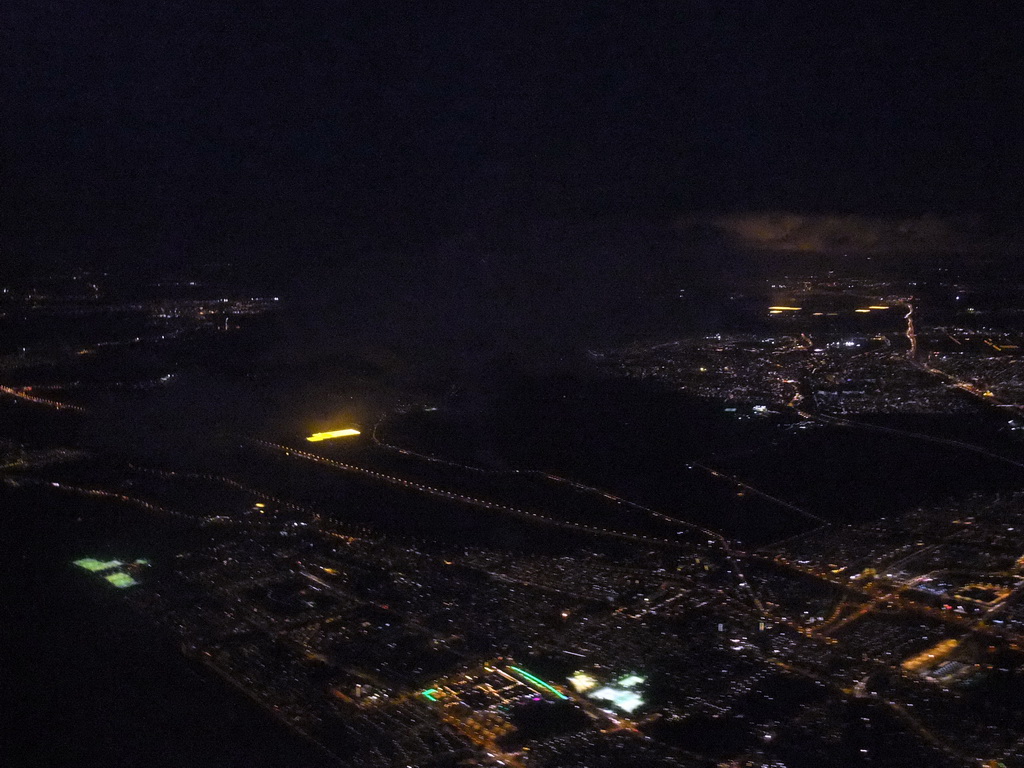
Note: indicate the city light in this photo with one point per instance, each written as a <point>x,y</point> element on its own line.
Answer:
<point>329,621</point>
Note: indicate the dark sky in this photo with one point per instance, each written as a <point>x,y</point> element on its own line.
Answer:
<point>190,129</point>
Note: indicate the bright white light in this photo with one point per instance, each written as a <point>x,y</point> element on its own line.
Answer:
<point>622,699</point>
<point>581,681</point>
<point>631,680</point>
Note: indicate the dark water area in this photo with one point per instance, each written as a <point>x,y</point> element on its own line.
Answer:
<point>86,680</point>
<point>855,475</point>
<point>361,505</point>
<point>37,426</point>
<point>632,439</point>
<point>39,331</point>
<point>638,440</point>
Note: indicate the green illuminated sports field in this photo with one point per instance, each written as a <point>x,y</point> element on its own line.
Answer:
<point>110,570</point>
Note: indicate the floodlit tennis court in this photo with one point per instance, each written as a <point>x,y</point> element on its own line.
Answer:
<point>97,566</point>
<point>121,580</point>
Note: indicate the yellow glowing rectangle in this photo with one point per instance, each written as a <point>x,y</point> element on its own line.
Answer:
<point>581,681</point>
<point>862,310</point>
<point>316,437</point>
<point>785,309</point>
<point>878,306</point>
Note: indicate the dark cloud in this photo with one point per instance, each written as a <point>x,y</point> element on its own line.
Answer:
<point>295,132</point>
<point>838,234</point>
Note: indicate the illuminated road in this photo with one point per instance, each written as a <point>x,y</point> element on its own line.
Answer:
<point>226,481</point>
<point>983,394</point>
<point>549,477</point>
<point>713,537</point>
<point>960,444</point>
<point>110,495</point>
<point>842,616</point>
<point>21,394</point>
<point>911,331</point>
<point>757,492</point>
<point>925,732</point>
<point>464,499</point>
<point>897,597</point>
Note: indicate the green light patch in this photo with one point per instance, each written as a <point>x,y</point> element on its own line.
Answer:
<point>97,566</point>
<point>121,580</point>
<point>630,681</point>
<point>537,681</point>
<point>429,693</point>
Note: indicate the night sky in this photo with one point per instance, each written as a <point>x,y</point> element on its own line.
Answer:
<point>181,131</point>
